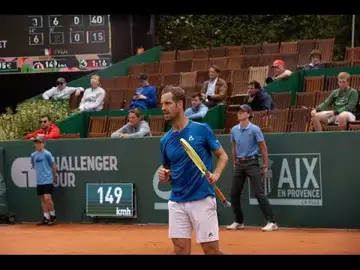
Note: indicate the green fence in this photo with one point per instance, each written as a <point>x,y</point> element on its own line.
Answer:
<point>80,122</point>
<point>313,178</point>
<point>3,200</point>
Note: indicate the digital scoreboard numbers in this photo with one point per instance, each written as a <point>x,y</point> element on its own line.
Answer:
<point>110,200</point>
<point>60,41</point>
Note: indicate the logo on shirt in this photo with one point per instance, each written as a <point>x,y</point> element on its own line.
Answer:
<point>293,179</point>
<point>191,138</point>
<point>162,194</point>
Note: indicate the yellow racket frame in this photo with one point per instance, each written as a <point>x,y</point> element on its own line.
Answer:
<point>201,166</point>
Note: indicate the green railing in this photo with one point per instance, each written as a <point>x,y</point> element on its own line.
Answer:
<point>79,123</point>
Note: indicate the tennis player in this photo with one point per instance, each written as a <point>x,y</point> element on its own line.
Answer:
<point>45,168</point>
<point>192,203</point>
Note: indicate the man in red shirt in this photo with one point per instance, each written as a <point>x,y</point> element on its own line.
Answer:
<point>48,130</point>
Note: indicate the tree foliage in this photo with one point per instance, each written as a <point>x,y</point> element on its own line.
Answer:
<point>14,125</point>
<point>200,31</point>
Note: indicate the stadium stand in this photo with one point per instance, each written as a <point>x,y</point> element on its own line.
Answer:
<point>239,65</point>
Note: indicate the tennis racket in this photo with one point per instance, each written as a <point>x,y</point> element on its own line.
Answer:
<point>201,166</point>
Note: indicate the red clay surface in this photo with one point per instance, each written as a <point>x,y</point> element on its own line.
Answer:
<point>146,239</point>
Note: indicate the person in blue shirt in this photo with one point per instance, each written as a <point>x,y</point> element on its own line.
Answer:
<point>246,139</point>
<point>198,109</point>
<point>192,203</point>
<point>45,169</point>
<point>145,96</point>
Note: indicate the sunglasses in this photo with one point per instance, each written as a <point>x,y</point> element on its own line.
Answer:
<point>43,122</point>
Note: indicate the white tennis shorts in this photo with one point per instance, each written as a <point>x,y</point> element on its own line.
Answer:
<point>199,216</point>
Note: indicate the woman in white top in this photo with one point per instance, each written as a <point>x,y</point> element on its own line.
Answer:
<point>93,98</point>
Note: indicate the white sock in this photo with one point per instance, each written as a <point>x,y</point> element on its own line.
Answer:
<point>52,213</point>
<point>47,215</point>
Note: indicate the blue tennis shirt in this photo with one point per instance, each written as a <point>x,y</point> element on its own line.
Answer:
<point>187,182</point>
<point>42,162</point>
<point>247,140</point>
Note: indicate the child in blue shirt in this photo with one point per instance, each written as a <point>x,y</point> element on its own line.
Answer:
<point>45,168</point>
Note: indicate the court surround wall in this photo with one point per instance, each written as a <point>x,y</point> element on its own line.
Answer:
<point>319,164</point>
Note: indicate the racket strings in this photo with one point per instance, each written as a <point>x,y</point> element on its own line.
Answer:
<point>194,156</point>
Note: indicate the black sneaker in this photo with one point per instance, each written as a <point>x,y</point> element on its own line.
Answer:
<point>45,221</point>
<point>52,220</point>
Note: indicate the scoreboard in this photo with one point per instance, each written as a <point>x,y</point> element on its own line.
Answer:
<point>54,43</point>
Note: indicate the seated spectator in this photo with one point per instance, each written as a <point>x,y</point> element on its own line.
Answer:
<point>93,98</point>
<point>48,130</point>
<point>135,128</point>
<point>61,91</point>
<point>343,101</point>
<point>280,71</point>
<point>145,97</point>
<point>258,99</point>
<point>214,91</point>
<point>315,61</point>
<point>197,110</point>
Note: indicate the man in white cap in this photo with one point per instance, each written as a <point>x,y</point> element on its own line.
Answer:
<point>61,90</point>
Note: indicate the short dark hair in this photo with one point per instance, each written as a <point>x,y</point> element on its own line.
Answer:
<point>315,52</point>
<point>178,94</point>
<point>195,95</point>
<point>216,68</point>
<point>45,116</point>
<point>135,111</point>
<point>256,84</point>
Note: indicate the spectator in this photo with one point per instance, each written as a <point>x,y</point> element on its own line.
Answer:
<point>61,91</point>
<point>145,97</point>
<point>315,61</point>
<point>93,98</point>
<point>135,128</point>
<point>343,101</point>
<point>280,71</point>
<point>258,99</point>
<point>197,110</point>
<point>48,130</point>
<point>214,90</point>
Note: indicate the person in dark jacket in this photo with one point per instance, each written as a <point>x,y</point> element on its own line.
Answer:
<point>315,61</point>
<point>258,99</point>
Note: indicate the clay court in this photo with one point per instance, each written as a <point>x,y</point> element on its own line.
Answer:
<point>146,239</point>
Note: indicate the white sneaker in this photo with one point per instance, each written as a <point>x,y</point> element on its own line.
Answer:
<point>235,226</point>
<point>270,226</point>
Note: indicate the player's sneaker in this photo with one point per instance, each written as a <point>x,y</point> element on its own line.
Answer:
<point>52,220</point>
<point>235,226</point>
<point>45,221</point>
<point>270,226</point>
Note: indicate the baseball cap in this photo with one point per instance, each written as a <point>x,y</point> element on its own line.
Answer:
<point>39,139</point>
<point>60,80</point>
<point>278,63</point>
<point>245,108</point>
<point>143,76</point>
